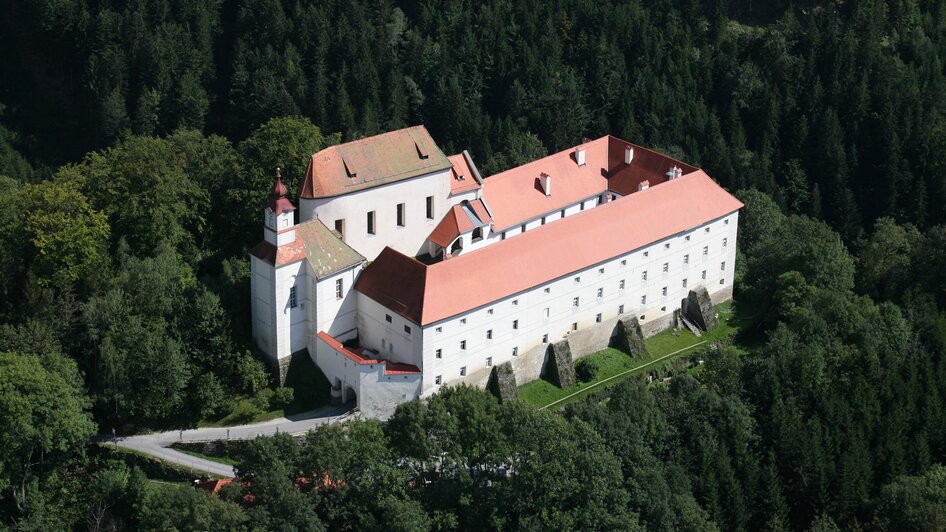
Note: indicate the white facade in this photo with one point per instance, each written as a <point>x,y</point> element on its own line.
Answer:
<point>522,321</point>
<point>353,209</point>
<point>294,301</point>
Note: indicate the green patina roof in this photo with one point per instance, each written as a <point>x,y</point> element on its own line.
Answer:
<point>327,254</point>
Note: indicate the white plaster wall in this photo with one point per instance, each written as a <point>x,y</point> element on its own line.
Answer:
<point>262,288</point>
<point>550,217</point>
<point>530,310</point>
<point>290,323</point>
<point>334,315</point>
<point>383,200</point>
<point>391,340</point>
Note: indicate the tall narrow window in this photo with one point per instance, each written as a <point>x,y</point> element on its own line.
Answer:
<point>686,259</point>
<point>340,227</point>
<point>598,318</point>
<point>664,291</point>
<point>463,371</point>
<point>684,283</point>
<point>705,250</point>
<point>620,309</point>
<point>438,353</point>
<point>370,222</point>
<point>438,380</point>
<point>292,297</point>
<point>545,313</point>
<point>339,286</point>
<point>666,266</point>
<point>643,300</point>
<point>575,302</point>
<point>515,351</point>
<point>400,215</point>
<point>430,207</point>
<point>463,345</point>
<point>522,228</point>
<point>703,275</point>
<point>489,361</point>
<point>545,338</point>
<point>600,293</point>
<point>477,234</point>
<point>722,266</point>
<point>621,285</point>
<point>515,324</point>
<point>644,275</point>
<point>489,334</point>
<point>725,241</point>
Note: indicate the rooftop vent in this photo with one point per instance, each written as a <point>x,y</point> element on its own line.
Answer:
<point>580,155</point>
<point>628,154</point>
<point>349,168</point>
<point>674,172</point>
<point>644,185</point>
<point>546,183</point>
<point>421,151</point>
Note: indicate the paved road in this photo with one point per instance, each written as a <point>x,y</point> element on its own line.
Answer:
<point>158,444</point>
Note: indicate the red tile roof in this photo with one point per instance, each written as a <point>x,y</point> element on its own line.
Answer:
<point>372,161</point>
<point>277,202</point>
<point>461,169</point>
<point>327,254</point>
<point>426,294</point>
<point>213,486</point>
<point>357,355</point>
<point>457,222</point>
<point>516,195</point>
<point>647,165</point>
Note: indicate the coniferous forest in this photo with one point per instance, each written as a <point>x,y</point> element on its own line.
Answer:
<point>138,141</point>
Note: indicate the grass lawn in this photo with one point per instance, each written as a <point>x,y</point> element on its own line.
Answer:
<point>310,391</point>
<point>221,459</point>
<point>663,347</point>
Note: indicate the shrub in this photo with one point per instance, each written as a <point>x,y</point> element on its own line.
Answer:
<point>586,370</point>
<point>208,394</point>
<point>281,398</point>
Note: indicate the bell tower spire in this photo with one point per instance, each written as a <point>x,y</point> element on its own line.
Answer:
<point>279,212</point>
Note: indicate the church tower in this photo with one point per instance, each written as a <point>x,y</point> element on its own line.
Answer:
<point>278,282</point>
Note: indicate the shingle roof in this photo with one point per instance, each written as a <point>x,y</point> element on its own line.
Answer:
<point>371,162</point>
<point>461,177</point>
<point>426,294</point>
<point>327,254</point>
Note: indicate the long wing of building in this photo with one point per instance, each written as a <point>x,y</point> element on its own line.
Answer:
<point>409,270</point>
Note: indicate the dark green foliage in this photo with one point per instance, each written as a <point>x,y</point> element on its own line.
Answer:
<point>281,398</point>
<point>586,370</point>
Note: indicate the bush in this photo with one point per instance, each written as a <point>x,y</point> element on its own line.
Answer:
<point>253,374</point>
<point>281,398</point>
<point>586,370</point>
<point>208,394</point>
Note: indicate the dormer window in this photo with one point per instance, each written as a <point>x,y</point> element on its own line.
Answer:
<point>421,151</point>
<point>350,168</point>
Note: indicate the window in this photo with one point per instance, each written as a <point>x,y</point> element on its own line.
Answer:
<point>370,222</point>
<point>725,241</point>
<point>489,361</point>
<point>620,309</point>
<point>706,230</point>
<point>575,302</point>
<point>515,351</point>
<point>722,281</point>
<point>515,325</point>
<point>600,271</point>
<point>489,311</point>
<point>600,293</point>
<point>430,207</point>
<point>684,283</point>
<point>577,279</point>
<point>646,253</point>
<point>545,338</point>
<point>438,353</point>
<point>687,238</point>
<point>515,302</point>
<point>477,234</point>
<point>621,285</point>
<point>703,275</point>
<point>667,245</point>
<point>624,262</point>
<point>726,221</point>
<point>543,220</point>
<point>407,329</point>
<point>503,236</point>
<point>722,266</point>
<point>598,318</point>
<point>575,326</point>
<point>438,380</point>
<point>666,267</point>
<point>463,371</point>
<point>561,213</point>
<point>340,227</point>
<point>438,330</point>
<point>462,321</point>
<point>489,334</point>
<point>643,317</point>
<point>400,215</point>
<point>644,275</point>
<point>292,297</point>
<point>522,228</point>
<point>663,309</point>
<point>643,300</point>
<point>339,288</point>
<point>545,313</point>
<point>582,206</point>
<point>463,345</point>
<point>547,289</point>
<point>686,259</point>
<point>663,291</point>
<point>705,250</point>
<point>387,318</point>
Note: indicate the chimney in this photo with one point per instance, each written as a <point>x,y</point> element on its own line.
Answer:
<point>546,183</point>
<point>628,154</point>
<point>674,173</point>
<point>643,186</point>
<point>580,155</point>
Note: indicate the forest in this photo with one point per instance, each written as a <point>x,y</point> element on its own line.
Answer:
<point>139,139</point>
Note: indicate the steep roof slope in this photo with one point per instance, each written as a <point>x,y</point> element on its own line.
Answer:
<point>327,254</point>
<point>426,294</point>
<point>371,162</point>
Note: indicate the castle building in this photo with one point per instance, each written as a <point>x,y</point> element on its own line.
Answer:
<point>408,270</point>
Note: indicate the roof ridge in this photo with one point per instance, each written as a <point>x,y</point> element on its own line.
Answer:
<point>372,137</point>
<point>566,151</point>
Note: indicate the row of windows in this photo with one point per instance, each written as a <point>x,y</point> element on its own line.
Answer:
<point>401,218</point>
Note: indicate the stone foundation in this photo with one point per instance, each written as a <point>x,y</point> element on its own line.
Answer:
<point>629,337</point>
<point>502,383</point>
<point>698,308</point>
<point>560,369</point>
